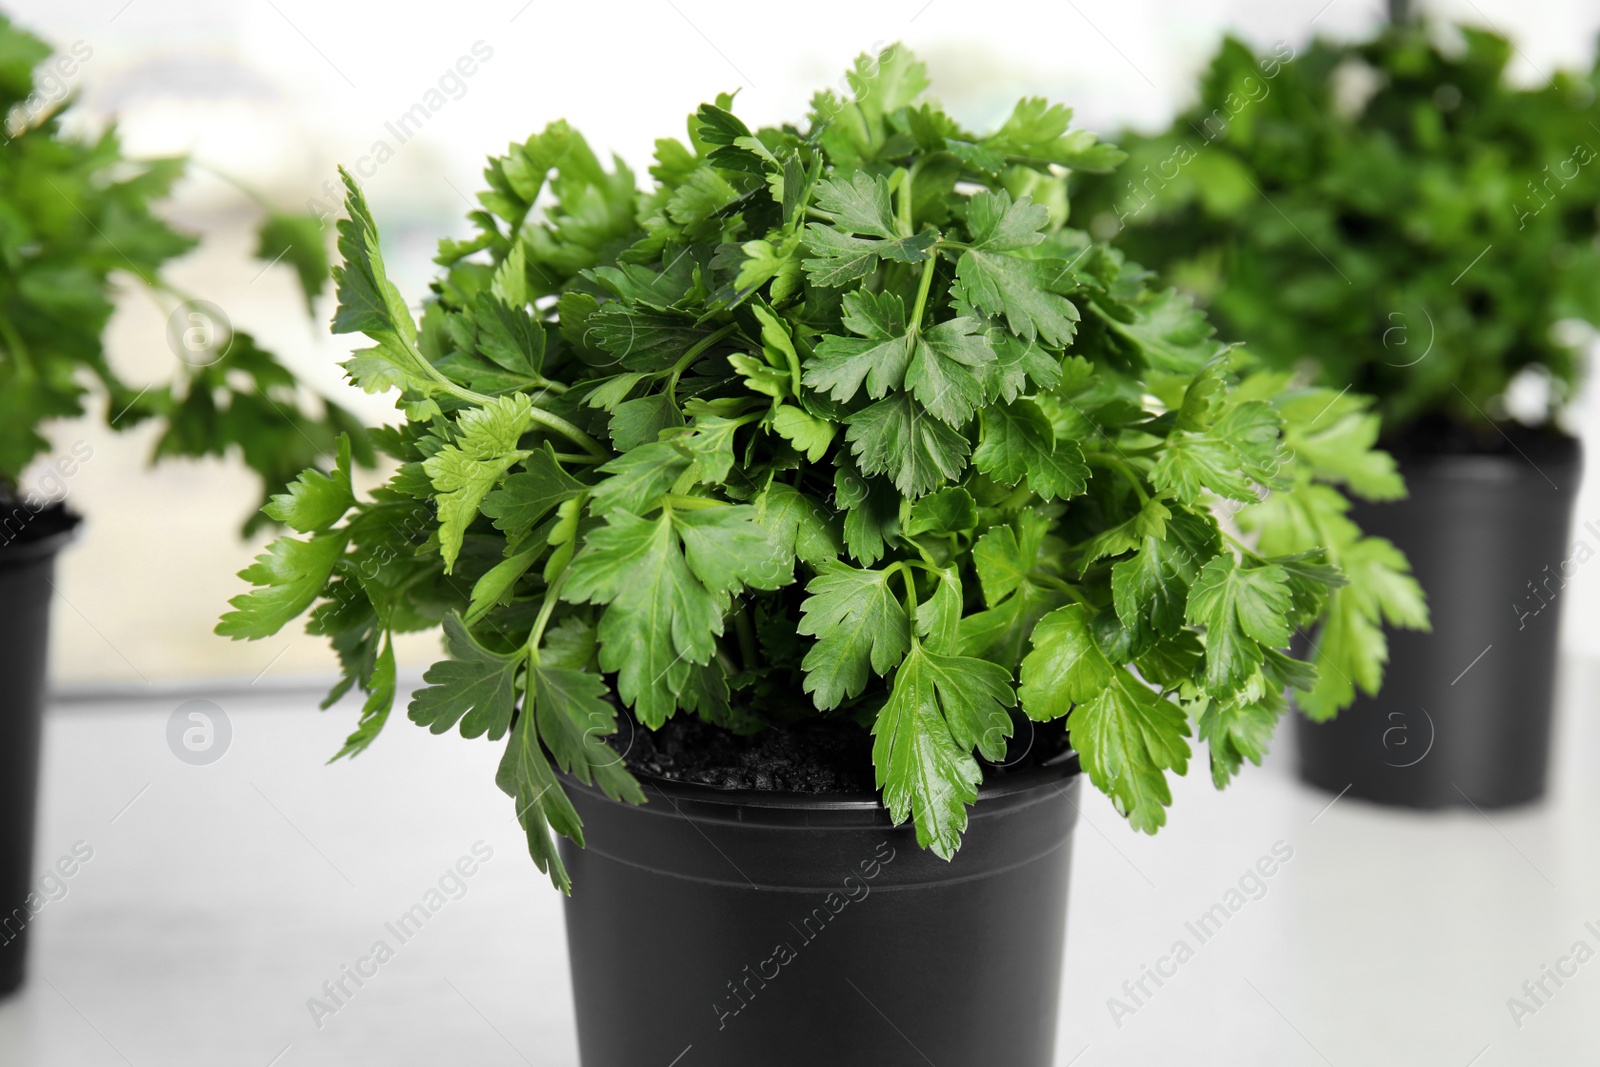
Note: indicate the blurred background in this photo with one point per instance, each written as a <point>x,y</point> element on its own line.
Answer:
<point>280,92</point>
<point>219,900</point>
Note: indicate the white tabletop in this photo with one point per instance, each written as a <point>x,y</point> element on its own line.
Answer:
<point>220,898</point>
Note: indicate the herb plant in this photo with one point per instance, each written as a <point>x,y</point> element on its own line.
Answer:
<point>1393,211</point>
<point>73,214</point>
<point>836,419</point>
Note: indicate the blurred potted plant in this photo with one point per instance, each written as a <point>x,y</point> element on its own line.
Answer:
<point>74,213</point>
<point>1395,217</point>
<point>828,485</point>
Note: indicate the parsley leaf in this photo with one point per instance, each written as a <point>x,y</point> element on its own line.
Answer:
<point>992,278</point>
<point>474,686</point>
<point>1126,735</point>
<point>896,437</point>
<point>464,472</point>
<point>1016,441</point>
<point>939,708</point>
<point>1242,610</point>
<point>858,623</point>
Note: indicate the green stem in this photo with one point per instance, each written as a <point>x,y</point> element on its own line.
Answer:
<point>570,432</point>
<point>910,579</point>
<point>552,596</point>
<point>550,421</point>
<point>927,562</point>
<point>688,358</point>
<point>14,342</point>
<point>1052,582</point>
<point>747,638</point>
<point>1123,467</point>
<point>1243,548</point>
<point>692,503</point>
<point>905,200</point>
<point>923,287</point>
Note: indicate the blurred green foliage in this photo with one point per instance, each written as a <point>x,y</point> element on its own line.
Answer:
<point>1394,211</point>
<point>76,218</point>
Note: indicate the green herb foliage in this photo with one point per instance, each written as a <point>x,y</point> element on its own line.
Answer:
<point>1394,210</point>
<point>833,419</point>
<point>76,216</point>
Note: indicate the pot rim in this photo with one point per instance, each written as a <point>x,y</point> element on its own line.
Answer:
<point>776,807</point>
<point>1496,468</point>
<point>18,552</point>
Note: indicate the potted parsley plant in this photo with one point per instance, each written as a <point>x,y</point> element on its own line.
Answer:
<point>815,512</point>
<point>1395,217</point>
<point>76,222</point>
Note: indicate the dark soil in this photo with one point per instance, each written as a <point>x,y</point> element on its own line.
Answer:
<point>822,756</point>
<point>1440,435</point>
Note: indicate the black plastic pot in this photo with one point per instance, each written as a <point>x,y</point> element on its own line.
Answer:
<point>1465,711</point>
<point>729,928</point>
<point>29,542</point>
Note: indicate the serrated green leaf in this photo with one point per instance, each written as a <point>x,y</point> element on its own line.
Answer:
<point>380,688</point>
<point>660,618</point>
<point>805,431</point>
<point>527,496</point>
<point>1243,610</point>
<point>947,512</point>
<point>474,686</point>
<point>895,437</point>
<point>299,242</point>
<point>871,512</point>
<point>799,524</point>
<point>290,574</point>
<point>938,709</point>
<point>1150,589</point>
<point>464,472</point>
<point>1125,734</point>
<point>1016,441</point>
<point>315,501</point>
<point>638,478</point>
<point>858,623</point>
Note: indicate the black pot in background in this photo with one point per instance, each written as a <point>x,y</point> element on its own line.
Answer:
<point>1465,712</point>
<point>29,542</point>
<point>727,928</point>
